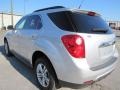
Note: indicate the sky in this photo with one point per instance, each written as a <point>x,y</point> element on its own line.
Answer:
<point>109,9</point>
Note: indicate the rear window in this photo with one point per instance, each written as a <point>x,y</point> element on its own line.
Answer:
<point>78,22</point>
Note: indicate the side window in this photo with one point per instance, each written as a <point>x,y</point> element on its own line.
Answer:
<point>33,22</point>
<point>62,20</point>
<point>21,23</point>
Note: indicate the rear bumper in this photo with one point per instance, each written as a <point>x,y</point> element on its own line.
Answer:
<point>71,85</point>
<point>79,73</point>
<point>78,86</point>
<point>75,73</point>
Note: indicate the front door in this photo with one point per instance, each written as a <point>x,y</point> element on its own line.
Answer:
<point>27,35</point>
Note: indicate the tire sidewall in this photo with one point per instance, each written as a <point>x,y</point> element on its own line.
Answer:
<point>51,85</point>
<point>8,54</point>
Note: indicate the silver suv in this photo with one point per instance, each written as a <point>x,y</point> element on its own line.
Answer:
<point>66,47</point>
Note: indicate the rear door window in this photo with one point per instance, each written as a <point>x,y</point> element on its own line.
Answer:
<point>61,20</point>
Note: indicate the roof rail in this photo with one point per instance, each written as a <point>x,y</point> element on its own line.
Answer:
<point>55,7</point>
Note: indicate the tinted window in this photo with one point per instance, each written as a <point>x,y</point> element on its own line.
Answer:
<point>61,20</point>
<point>33,22</point>
<point>75,21</point>
<point>90,24</point>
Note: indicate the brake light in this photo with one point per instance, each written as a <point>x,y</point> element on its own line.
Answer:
<point>75,45</point>
<point>91,13</point>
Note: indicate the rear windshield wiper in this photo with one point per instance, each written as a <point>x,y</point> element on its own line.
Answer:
<point>99,30</point>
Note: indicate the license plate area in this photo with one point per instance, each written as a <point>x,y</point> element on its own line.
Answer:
<point>105,51</point>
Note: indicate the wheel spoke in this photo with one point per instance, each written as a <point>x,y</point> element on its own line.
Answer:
<point>43,81</point>
<point>39,75</point>
<point>44,68</point>
<point>41,70</point>
<point>47,80</point>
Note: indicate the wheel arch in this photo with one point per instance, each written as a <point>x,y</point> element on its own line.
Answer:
<point>38,54</point>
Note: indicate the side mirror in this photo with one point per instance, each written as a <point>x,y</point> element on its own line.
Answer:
<point>10,27</point>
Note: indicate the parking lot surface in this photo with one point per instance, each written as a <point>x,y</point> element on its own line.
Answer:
<point>14,75</point>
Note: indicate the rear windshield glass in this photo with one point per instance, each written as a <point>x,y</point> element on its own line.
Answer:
<point>78,22</point>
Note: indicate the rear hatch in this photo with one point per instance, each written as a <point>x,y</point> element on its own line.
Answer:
<point>99,49</point>
<point>98,36</point>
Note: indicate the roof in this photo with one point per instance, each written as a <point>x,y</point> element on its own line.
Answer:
<point>61,8</point>
<point>55,7</point>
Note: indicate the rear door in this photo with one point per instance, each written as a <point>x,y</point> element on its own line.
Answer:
<point>99,49</point>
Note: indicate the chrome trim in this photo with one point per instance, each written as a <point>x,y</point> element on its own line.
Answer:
<point>105,44</point>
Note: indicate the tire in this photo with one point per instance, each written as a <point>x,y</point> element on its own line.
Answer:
<point>6,48</point>
<point>44,75</point>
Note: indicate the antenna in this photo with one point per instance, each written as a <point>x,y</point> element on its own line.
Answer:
<point>81,4</point>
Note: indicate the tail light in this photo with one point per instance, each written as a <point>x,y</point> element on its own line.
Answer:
<point>75,45</point>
